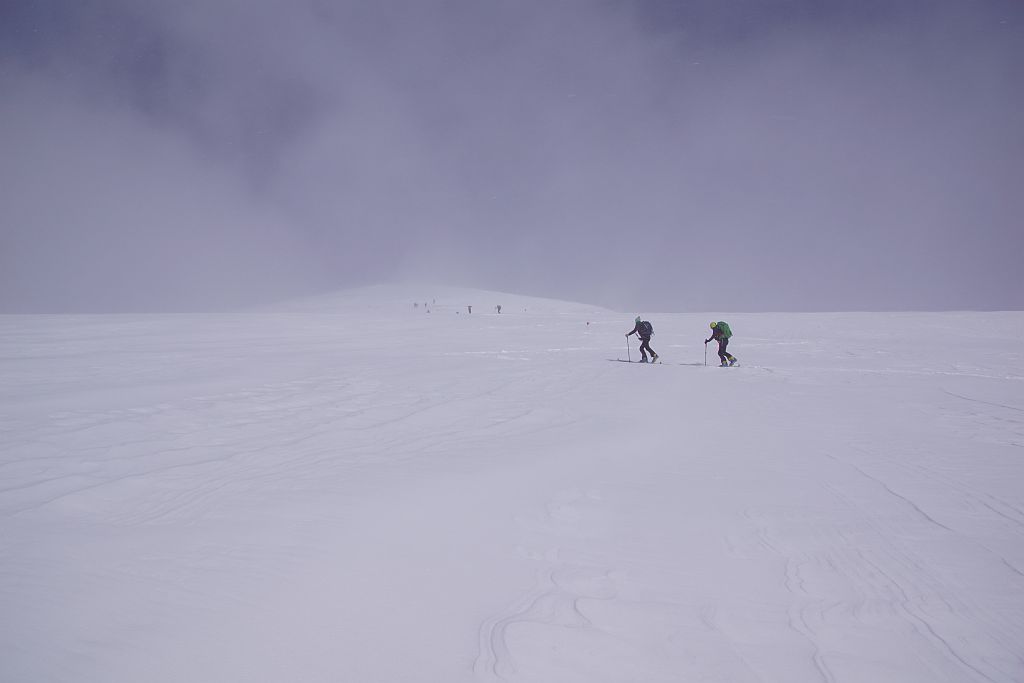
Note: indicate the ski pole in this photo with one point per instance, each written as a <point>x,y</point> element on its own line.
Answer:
<point>705,354</point>
<point>627,351</point>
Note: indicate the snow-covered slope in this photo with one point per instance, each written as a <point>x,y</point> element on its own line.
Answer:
<point>354,489</point>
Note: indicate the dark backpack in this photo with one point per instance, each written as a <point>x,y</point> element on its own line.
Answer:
<point>645,329</point>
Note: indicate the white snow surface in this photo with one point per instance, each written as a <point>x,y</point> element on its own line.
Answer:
<point>352,489</point>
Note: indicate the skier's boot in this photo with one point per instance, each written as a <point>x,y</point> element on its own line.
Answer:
<point>733,361</point>
<point>643,360</point>
<point>654,358</point>
<point>725,364</point>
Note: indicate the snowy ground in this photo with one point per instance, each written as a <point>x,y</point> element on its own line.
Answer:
<point>352,489</point>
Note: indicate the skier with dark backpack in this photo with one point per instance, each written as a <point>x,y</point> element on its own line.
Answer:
<point>644,330</point>
<point>721,333</point>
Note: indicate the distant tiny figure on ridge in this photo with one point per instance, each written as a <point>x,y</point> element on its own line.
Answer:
<point>644,330</point>
<point>499,308</point>
<point>469,308</point>
<point>720,332</point>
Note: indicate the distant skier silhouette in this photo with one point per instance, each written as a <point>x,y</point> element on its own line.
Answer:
<point>643,329</point>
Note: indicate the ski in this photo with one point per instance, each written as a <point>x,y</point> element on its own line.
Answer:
<point>623,360</point>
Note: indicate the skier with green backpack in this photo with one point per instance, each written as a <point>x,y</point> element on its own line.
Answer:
<point>721,333</point>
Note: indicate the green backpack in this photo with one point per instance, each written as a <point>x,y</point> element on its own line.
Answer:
<point>723,327</point>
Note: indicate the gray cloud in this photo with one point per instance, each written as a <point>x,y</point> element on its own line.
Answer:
<point>771,155</point>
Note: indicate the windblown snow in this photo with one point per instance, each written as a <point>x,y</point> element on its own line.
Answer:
<point>359,489</point>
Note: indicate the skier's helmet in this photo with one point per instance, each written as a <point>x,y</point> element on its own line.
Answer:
<point>637,319</point>
<point>714,325</point>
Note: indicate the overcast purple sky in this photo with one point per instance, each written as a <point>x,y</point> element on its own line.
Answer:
<point>687,155</point>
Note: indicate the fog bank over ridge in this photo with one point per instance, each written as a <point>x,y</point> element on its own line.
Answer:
<point>674,156</point>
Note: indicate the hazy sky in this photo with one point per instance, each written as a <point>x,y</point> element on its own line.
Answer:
<point>649,154</point>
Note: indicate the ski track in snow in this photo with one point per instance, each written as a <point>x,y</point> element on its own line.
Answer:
<point>261,497</point>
